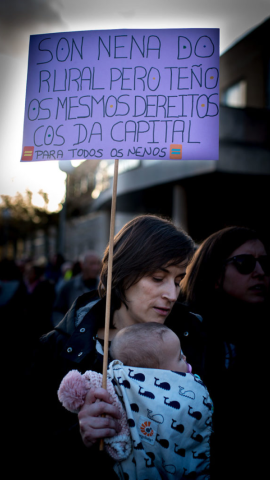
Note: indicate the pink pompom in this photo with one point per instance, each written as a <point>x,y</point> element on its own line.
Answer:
<point>72,393</point>
<point>73,390</point>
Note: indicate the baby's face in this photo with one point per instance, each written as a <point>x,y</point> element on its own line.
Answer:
<point>171,357</point>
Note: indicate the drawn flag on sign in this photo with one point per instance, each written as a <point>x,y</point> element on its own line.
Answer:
<point>28,153</point>
<point>175,151</point>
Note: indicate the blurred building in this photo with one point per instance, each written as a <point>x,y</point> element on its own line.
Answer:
<point>200,196</point>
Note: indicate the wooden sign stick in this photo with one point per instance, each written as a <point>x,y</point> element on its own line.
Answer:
<point>109,283</point>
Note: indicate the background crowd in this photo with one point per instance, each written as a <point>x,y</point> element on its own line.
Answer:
<point>35,295</point>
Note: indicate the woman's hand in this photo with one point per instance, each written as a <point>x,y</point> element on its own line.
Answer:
<point>93,426</point>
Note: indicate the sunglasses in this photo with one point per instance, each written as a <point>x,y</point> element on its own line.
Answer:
<point>246,263</point>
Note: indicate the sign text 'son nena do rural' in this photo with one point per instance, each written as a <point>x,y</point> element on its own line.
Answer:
<point>123,94</point>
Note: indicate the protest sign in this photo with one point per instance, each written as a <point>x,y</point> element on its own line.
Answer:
<point>123,94</point>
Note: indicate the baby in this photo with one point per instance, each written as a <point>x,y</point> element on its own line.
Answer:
<point>167,415</point>
<point>149,345</point>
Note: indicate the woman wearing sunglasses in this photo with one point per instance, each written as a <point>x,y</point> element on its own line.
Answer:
<point>227,282</point>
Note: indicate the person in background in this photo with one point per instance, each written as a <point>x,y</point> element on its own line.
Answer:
<point>13,300</point>
<point>12,288</point>
<point>53,270</point>
<point>227,283</point>
<point>66,275</point>
<point>86,281</point>
<point>40,299</point>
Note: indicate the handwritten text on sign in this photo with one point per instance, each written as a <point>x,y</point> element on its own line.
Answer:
<point>123,94</point>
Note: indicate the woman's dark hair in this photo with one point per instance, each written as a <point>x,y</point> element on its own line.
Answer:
<point>198,288</point>
<point>141,247</point>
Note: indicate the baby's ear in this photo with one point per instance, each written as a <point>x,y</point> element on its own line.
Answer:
<point>72,391</point>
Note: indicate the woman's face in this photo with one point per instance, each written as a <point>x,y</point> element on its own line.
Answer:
<point>252,287</point>
<point>152,298</point>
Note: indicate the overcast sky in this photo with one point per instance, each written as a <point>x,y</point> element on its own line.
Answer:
<point>21,18</point>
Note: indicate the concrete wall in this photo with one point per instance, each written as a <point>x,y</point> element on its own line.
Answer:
<point>249,60</point>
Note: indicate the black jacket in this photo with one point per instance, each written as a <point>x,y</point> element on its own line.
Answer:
<point>236,375</point>
<point>51,430</point>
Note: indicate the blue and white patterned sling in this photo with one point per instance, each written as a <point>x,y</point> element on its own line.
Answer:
<point>170,420</point>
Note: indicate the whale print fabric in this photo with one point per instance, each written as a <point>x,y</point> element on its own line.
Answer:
<point>170,420</point>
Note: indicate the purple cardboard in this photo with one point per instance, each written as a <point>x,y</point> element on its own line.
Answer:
<point>123,94</point>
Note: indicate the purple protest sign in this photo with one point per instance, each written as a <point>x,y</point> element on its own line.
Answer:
<point>123,94</point>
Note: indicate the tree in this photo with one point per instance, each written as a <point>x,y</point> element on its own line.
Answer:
<point>20,219</point>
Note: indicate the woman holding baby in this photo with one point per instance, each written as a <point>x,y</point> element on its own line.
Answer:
<point>149,261</point>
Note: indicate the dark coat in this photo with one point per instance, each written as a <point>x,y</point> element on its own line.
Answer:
<point>236,369</point>
<point>51,429</point>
